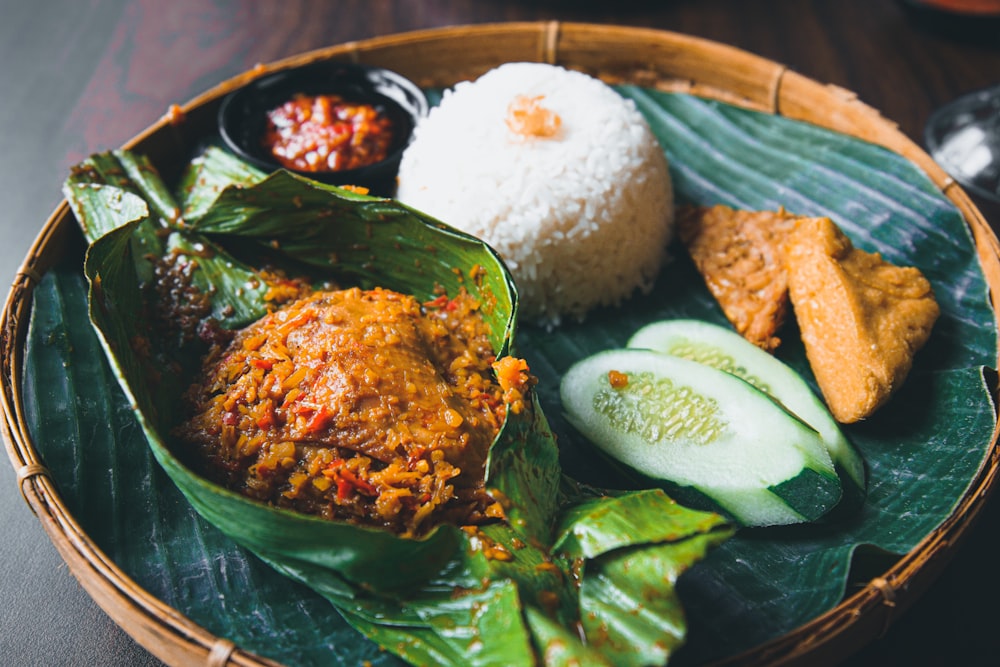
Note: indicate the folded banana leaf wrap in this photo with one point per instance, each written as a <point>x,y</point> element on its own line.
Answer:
<point>586,577</point>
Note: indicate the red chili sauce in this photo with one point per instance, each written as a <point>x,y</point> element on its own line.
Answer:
<point>327,133</point>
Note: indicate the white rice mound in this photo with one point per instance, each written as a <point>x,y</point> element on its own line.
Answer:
<point>581,218</point>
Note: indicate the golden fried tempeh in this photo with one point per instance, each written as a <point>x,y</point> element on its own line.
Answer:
<point>738,253</point>
<point>862,319</point>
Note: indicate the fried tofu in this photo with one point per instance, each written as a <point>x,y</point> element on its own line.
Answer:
<point>862,319</point>
<point>738,253</point>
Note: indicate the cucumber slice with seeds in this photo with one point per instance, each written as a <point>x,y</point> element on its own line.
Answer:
<point>688,426</point>
<point>726,350</point>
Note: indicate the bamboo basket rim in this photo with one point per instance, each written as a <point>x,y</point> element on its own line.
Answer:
<point>759,84</point>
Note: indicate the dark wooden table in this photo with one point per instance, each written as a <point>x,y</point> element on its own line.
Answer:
<point>82,76</point>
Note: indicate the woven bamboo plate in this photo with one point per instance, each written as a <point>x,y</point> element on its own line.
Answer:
<point>440,58</point>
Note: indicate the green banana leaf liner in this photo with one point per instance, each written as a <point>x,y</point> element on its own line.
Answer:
<point>923,450</point>
<point>576,559</point>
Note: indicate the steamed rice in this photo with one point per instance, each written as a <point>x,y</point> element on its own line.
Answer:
<point>581,213</point>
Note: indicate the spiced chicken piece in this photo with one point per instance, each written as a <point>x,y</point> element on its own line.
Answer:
<point>358,405</point>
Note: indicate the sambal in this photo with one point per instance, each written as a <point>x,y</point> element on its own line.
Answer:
<point>327,133</point>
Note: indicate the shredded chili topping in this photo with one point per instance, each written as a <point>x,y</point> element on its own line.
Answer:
<point>327,133</point>
<point>528,118</point>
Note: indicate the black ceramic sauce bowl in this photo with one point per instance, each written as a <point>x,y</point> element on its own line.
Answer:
<point>243,115</point>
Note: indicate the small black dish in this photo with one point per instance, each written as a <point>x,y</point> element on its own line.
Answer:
<point>243,115</point>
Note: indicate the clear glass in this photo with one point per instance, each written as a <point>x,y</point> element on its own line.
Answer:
<point>964,138</point>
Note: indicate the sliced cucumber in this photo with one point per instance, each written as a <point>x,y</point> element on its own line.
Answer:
<point>688,426</point>
<point>726,350</point>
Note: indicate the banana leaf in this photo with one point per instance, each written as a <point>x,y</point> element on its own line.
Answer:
<point>764,583</point>
<point>208,175</point>
<point>443,598</point>
<point>922,450</point>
